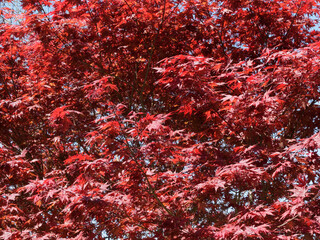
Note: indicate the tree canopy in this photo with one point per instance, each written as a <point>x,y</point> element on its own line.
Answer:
<point>160,119</point>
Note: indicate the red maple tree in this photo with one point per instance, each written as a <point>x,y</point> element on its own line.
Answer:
<point>160,119</point>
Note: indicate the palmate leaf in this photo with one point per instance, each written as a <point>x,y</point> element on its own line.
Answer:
<point>159,120</point>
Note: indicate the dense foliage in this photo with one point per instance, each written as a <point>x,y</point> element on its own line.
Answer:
<point>160,119</point>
